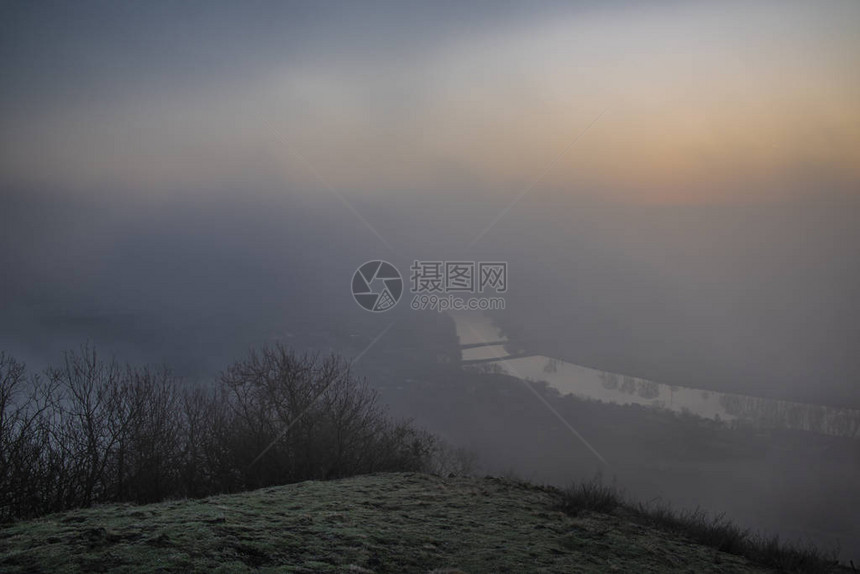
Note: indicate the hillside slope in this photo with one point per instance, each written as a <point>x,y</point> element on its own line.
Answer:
<point>376,523</point>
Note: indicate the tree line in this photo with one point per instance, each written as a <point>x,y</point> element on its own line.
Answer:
<point>92,430</point>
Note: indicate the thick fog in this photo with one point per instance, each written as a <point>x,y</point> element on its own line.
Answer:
<point>758,300</point>
<point>674,191</point>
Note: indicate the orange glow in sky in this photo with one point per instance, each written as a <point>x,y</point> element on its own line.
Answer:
<point>701,103</point>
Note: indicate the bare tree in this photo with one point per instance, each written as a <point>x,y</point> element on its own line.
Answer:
<point>89,430</point>
<point>92,431</point>
<point>27,461</point>
<point>306,416</point>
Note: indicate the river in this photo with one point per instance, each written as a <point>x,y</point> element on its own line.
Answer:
<point>734,410</point>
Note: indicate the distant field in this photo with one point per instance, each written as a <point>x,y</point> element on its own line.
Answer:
<point>376,523</point>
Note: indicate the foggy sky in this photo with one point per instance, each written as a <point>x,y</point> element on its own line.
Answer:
<point>170,174</point>
<point>704,102</point>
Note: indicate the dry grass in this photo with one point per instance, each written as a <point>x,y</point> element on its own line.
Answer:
<point>381,523</point>
<point>712,530</point>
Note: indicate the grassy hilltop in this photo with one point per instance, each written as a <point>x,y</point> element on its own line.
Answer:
<point>401,522</point>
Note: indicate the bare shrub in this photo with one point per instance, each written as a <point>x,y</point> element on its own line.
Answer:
<point>93,431</point>
<point>298,417</point>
